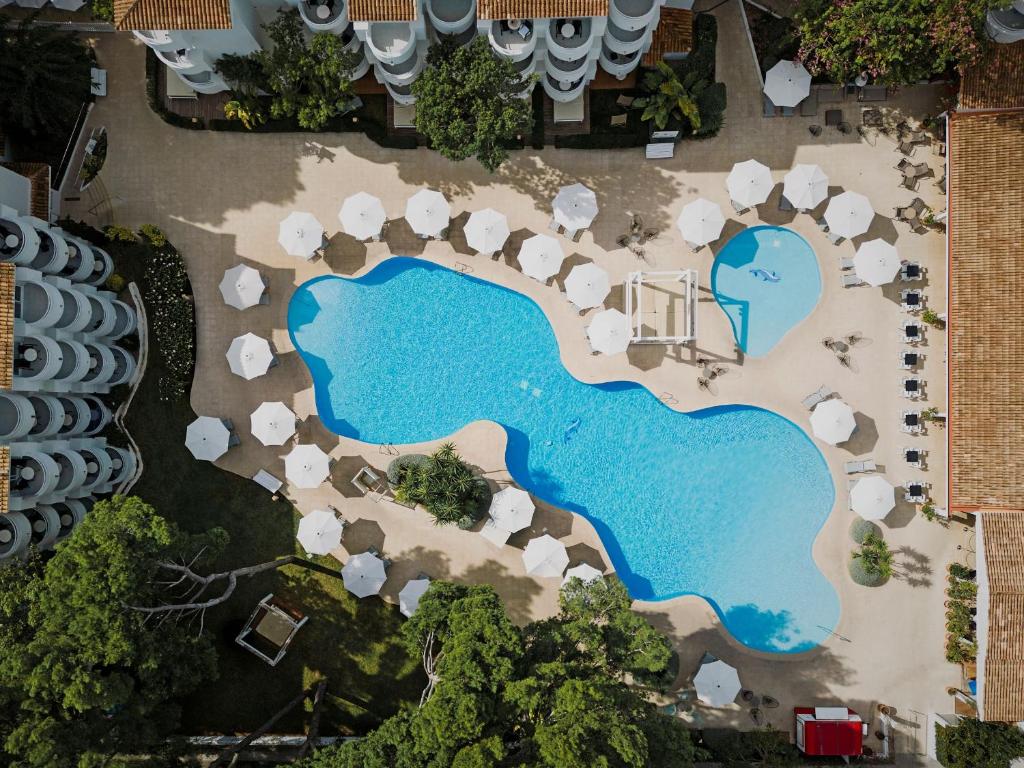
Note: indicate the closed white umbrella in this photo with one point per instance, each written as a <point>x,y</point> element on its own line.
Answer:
<point>587,285</point>
<point>511,509</point>
<point>250,356</point>
<point>272,423</point>
<point>701,222</point>
<point>585,573</point>
<point>409,597</point>
<point>805,186</point>
<point>364,574</point>
<point>541,256</point>
<point>787,83</point>
<point>208,438</point>
<point>300,234</point>
<point>362,216</point>
<point>575,207</point>
<point>877,262</point>
<point>609,332</point>
<point>717,683</point>
<point>320,532</point>
<point>849,214</point>
<point>872,497</point>
<point>545,556</point>
<point>428,213</point>
<point>749,183</point>
<point>486,231</point>
<point>242,287</point>
<point>307,466</point>
<point>833,421</point>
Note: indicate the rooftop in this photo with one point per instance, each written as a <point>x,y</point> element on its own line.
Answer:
<point>6,325</point>
<point>38,175</point>
<point>1003,689</point>
<point>172,14</point>
<point>540,9</point>
<point>674,34</point>
<point>382,10</point>
<point>997,82</point>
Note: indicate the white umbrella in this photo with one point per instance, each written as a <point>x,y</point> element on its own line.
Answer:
<point>541,257</point>
<point>320,532</point>
<point>207,438</point>
<point>67,5</point>
<point>849,214</point>
<point>545,556</point>
<point>511,509</point>
<point>877,262</point>
<point>362,216</point>
<point>701,221</point>
<point>587,285</point>
<point>428,213</point>
<point>300,234</point>
<point>575,207</point>
<point>486,231</point>
<point>717,683</point>
<point>787,83</point>
<point>250,356</point>
<point>364,574</point>
<point>749,183</point>
<point>31,3</point>
<point>833,421</point>
<point>872,497</point>
<point>242,287</point>
<point>272,423</point>
<point>307,466</point>
<point>805,186</point>
<point>609,332</point>
<point>585,573</point>
<point>409,597</point>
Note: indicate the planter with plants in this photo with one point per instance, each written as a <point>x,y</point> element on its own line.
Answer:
<point>961,630</point>
<point>444,484</point>
<point>872,564</point>
<point>932,318</point>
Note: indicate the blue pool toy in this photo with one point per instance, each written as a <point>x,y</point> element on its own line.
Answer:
<point>764,274</point>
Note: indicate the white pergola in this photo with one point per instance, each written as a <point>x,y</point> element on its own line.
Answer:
<point>662,306</point>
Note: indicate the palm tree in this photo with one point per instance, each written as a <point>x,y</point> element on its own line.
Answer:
<point>875,556</point>
<point>44,77</point>
<point>670,96</point>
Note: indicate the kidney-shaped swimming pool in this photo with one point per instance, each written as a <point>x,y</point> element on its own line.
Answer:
<point>724,503</point>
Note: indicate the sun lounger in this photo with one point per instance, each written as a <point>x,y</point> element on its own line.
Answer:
<point>619,120</point>
<point>834,238</point>
<point>624,101</point>
<point>785,205</point>
<point>367,481</point>
<point>555,227</point>
<point>831,94</point>
<point>768,106</point>
<point>822,393</point>
<point>739,208</point>
<point>853,467</point>
<point>845,263</point>
<point>788,111</point>
<point>809,106</point>
<point>872,93</point>
<point>268,481</point>
<point>494,534</point>
<point>851,281</point>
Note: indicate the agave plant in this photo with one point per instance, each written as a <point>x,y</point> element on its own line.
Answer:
<point>875,556</point>
<point>670,96</point>
<point>445,485</point>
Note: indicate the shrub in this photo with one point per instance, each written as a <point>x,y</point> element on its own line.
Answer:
<point>972,743</point>
<point>960,571</point>
<point>171,317</point>
<point>962,590</point>
<point>116,234</point>
<point>711,104</point>
<point>445,486</point>
<point>154,235</point>
<point>875,559</point>
<point>102,10</point>
<point>115,283</point>
<point>860,529</point>
<point>861,576</point>
<point>397,466</point>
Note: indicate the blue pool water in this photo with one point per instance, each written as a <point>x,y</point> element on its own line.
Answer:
<point>766,279</point>
<point>724,503</point>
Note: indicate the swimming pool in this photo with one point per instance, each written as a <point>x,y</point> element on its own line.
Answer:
<point>724,503</point>
<point>766,279</point>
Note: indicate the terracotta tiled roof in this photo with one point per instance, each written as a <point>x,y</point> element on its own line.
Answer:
<point>540,9</point>
<point>674,34</point>
<point>986,313</point>
<point>997,81</point>
<point>6,325</point>
<point>382,10</point>
<point>172,14</point>
<point>5,479</point>
<point>38,175</point>
<point>1003,668</point>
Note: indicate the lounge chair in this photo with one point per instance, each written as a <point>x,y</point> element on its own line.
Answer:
<point>833,237</point>
<point>785,205</point>
<point>768,106</point>
<point>693,246</point>
<point>555,227</point>
<point>268,481</point>
<point>788,111</point>
<point>854,467</point>
<point>903,165</point>
<point>851,281</point>
<point>809,106</point>
<point>845,263</point>
<point>820,394</point>
<point>905,147</point>
<point>740,209</point>
<point>918,170</point>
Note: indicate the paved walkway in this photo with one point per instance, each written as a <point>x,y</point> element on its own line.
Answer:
<point>220,196</point>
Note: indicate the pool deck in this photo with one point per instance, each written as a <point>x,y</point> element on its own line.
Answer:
<point>220,196</point>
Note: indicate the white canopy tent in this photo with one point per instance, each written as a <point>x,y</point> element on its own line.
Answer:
<point>511,509</point>
<point>320,532</point>
<point>545,556</point>
<point>364,574</point>
<point>833,421</point>
<point>541,257</point>
<point>666,314</point>
<point>849,214</point>
<point>208,438</point>
<point>575,207</point>
<point>701,222</point>
<point>273,423</point>
<point>872,497</point>
<point>428,213</point>
<point>585,573</point>
<point>242,287</point>
<point>587,285</point>
<point>717,683</point>
<point>877,262</point>
<point>486,231</point>
<point>609,332</point>
<point>306,466</point>
<point>749,183</point>
<point>362,216</point>
<point>300,234</point>
<point>250,356</point>
<point>787,83</point>
<point>805,186</point>
<point>409,597</point>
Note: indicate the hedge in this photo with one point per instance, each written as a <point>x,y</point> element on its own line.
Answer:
<point>403,461</point>
<point>860,529</point>
<point>862,577</point>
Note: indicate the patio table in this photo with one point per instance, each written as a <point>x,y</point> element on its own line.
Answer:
<point>833,117</point>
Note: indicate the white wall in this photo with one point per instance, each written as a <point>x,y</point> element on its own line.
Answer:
<point>15,191</point>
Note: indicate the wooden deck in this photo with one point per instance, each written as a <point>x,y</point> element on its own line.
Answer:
<point>206,106</point>
<point>552,129</point>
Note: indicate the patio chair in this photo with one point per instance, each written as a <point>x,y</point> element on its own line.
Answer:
<point>912,389</point>
<point>912,300</point>
<point>555,227</point>
<point>903,165</point>
<point>905,147</point>
<point>768,107</point>
<point>912,332</point>
<point>809,106</point>
<point>915,456</point>
<point>814,130</point>
<point>624,101</point>
<point>920,169</point>
<point>845,263</point>
<point>910,182</point>
<point>851,281</point>
<point>833,237</point>
<point>909,359</point>
<point>740,209</point>
<point>911,271</point>
<point>820,394</point>
<point>855,467</point>
<point>785,205</point>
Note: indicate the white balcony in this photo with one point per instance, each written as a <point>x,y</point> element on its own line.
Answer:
<point>391,42</point>
<point>77,416</point>
<point>37,303</point>
<point>45,524</point>
<point>124,366</point>
<point>77,311</point>
<point>72,473</point>
<point>34,475</point>
<point>75,362</point>
<point>624,41</point>
<point>184,61</point>
<point>124,463</point>
<point>158,39</point>
<point>37,360</point>
<point>17,416</point>
<point>99,415</point>
<point>401,74</point>
<point>566,71</point>
<point>402,94</point>
<point>99,467</point>
<point>102,267</point>
<point>103,319</point>
<point>204,82</point>
<point>127,320</point>
<point>53,253</point>
<point>563,90</point>
<point>617,64</point>
<point>102,365</point>
<point>19,241</point>
<point>324,15</point>
<point>569,39</point>
<point>15,535</point>
<point>632,14</point>
<point>71,513</point>
<point>81,260</point>
<point>451,17</point>
<point>513,44</point>
<point>48,413</point>
<point>1006,25</point>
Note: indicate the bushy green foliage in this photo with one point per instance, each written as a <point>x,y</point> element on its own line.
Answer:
<point>894,41</point>
<point>765,747</point>
<point>535,696</point>
<point>153,235</point>
<point>82,678</point>
<point>444,484</point>
<point>872,562</point>
<point>976,744</point>
<point>398,466</point>
<point>116,234</point>
<point>115,283</point>
<point>671,97</point>
<point>860,529</point>
<point>468,102</point>
<point>93,162</point>
<point>170,314</point>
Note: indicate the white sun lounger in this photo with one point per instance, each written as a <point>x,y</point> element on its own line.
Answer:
<point>494,534</point>
<point>853,467</point>
<point>814,398</point>
<point>267,480</point>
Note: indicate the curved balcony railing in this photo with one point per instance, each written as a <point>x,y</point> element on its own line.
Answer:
<point>563,91</point>
<point>617,64</point>
<point>391,42</point>
<point>45,524</point>
<point>103,319</point>
<point>102,267</point>
<point>566,71</point>
<point>39,304</point>
<point>632,14</point>
<point>102,364</point>
<point>157,38</point>
<point>37,358</point>
<point>566,46</point>
<point>76,416</point>
<point>72,471</point>
<point>516,43</point>
<point>401,74</point>
<point>183,60</point>
<point>450,17</point>
<point>75,361</point>
<point>99,468</point>
<point>77,311</point>
<point>99,415</point>
<point>1005,25</point>
<point>123,462</point>
<point>19,241</point>
<point>53,253</point>
<point>402,94</point>
<point>624,40</point>
<point>325,15</point>
<point>71,513</point>
<point>15,535</point>
<point>34,474</point>
<point>81,260</point>
<point>49,416</point>
<point>124,366</point>
<point>17,416</point>
<point>127,320</point>
<point>205,81</point>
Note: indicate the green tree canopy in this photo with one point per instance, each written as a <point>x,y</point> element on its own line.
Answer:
<point>82,677</point>
<point>976,744</point>
<point>44,77</point>
<point>894,41</point>
<point>468,102</point>
<point>669,97</point>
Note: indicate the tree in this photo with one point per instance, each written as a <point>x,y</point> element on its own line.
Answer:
<point>468,102</point>
<point>671,97</point>
<point>44,77</point>
<point>972,743</point>
<point>894,41</point>
<point>445,485</point>
<point>875,556</point>
<point>82,678</point>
